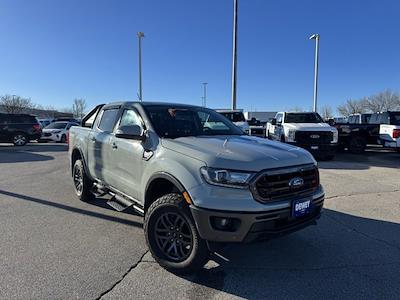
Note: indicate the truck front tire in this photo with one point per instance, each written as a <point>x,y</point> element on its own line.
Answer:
<point>82,182</point>
<point>172,237</point>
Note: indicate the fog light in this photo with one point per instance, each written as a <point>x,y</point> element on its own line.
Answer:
<point>225,224</point>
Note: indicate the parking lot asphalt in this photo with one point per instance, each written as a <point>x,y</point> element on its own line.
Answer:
<point>55,247</point>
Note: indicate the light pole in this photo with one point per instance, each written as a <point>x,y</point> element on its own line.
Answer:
<point>204,94</point>
<point>316,38</point>
<point>140,36</point>
<point>234,54</point>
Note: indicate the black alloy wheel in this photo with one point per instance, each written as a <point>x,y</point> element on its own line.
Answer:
<point>174,237</point>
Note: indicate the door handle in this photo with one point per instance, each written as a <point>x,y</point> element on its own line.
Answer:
<point>114,146</point>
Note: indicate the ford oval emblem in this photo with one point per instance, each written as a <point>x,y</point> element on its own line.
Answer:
<point>296,182</point>
<point>314,136</point>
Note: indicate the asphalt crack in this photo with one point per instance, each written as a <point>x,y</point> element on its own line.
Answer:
<point>123,276</point>
<point>361,194</point>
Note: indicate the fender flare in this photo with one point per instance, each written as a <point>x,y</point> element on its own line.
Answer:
<point>83,160</point>
<point>167,176</point>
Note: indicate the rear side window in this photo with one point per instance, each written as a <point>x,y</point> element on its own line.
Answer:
<point>108,119</point>
<point>395,118</point>
<point>384,118</point>
<point>20,119</point>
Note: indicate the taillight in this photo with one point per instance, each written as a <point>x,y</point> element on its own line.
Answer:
<point>396,133</point>
<point>36,127</point>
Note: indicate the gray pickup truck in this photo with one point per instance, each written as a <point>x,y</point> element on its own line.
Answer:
<point>197,179</point>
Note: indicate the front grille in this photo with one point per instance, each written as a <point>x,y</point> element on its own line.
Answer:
<point>47,134</point>
<point>279,183</point>
<point>313,137</point>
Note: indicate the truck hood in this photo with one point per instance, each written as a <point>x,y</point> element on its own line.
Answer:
<point>51,130</point>
<point>239,152</point>
<point>310,126</point>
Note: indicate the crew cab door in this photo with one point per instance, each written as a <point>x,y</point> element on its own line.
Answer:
<point>99,144</point>
<point>276,130</point>
<point>126,157</point>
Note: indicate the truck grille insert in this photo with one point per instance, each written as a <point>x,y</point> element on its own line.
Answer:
<point>313,137</point>
<point>285,183</point>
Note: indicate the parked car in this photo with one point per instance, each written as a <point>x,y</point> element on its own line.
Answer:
<point>236,116</point>
<point>57,131</point>
<point>195,177</point>
<point>374,129</point>
<point>45,122</point>
<point>306,130</point>
<point>19,128</point>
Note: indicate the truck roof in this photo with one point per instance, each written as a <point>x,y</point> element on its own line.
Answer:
<point>146,103</point>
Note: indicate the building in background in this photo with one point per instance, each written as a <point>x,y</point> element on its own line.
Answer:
<point>43,113</point>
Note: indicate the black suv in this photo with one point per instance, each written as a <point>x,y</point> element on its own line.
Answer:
<point>19,128</point>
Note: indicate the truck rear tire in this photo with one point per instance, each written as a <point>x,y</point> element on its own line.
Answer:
<point>357,144</point>
<point>172,236</point>
<point>82,182</point>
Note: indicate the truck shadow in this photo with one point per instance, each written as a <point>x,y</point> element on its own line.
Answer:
<point>343,257</point>
<point>73,209</point>
<point>373,157</point>
<point>29,153</point>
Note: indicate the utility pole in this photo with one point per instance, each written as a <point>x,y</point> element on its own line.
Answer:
<point>234,54</point>
<point>140,36</point>
<point>316,37</point>
<point>204,94</point>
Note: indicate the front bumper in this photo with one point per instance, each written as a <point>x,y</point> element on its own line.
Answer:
<point>325,149</point>
<point>253,226</point>
<point>55,137</point>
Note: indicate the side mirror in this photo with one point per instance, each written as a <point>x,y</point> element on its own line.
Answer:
<point>273,121</point>
<point>331,122</point>
<point>131,132</point>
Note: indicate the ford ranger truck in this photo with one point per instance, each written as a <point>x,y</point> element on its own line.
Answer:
<point>197,179</point>
<point>306,130</point>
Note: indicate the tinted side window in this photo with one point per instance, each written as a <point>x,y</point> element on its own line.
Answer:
<point>130,117</point>
<point>108,119</point>
<point>19,119</point>
<point>373,119</point>
<point>384,118</point>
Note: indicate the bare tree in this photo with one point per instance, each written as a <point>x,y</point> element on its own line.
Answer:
<point>326,112</point>
<point>296,109</point>
<point>15,104</point>
<point>383,101</point>
<point>79,107</point>
<point>352,107</point>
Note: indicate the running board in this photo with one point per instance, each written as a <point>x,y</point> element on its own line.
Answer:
<point>120,203</point>
<point>99,190</point>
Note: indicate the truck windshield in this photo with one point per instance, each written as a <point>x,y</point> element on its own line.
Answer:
<point>180,121</point>
<point>234,116</point>
<point>303,118</point>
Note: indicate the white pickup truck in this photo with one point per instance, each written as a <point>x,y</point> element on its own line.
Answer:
<point>306,130</point>
<point>236,116</point>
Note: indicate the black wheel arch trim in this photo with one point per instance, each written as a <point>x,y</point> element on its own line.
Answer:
<point>83,161</point>
<point>167,176</point>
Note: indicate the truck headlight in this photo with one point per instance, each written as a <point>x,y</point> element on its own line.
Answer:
<point>223,177</point>
<point>291,137</point>
<point>335,137</point>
